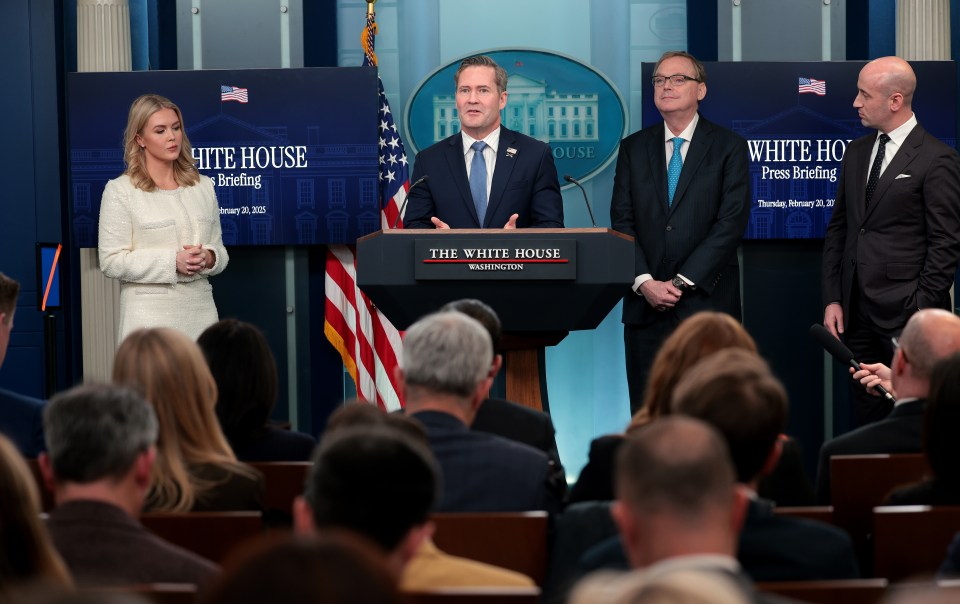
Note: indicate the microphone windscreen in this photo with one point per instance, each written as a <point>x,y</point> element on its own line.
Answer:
<point>835,347</point>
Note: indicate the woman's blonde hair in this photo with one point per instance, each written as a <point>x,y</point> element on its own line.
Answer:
<point>27,553</point>
<point>698,336</point>
<point>170,371</point>
<point>184,170</point>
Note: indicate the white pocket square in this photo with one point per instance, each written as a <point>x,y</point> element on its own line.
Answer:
<point>899,176</point>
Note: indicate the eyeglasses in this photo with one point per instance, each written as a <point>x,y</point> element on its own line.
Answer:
<point>677,79</point>
<point>896,346</point>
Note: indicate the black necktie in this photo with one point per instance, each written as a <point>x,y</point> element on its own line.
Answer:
<point>875,169</point>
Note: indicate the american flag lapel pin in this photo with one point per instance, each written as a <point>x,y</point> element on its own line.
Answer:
<point>511,151</point>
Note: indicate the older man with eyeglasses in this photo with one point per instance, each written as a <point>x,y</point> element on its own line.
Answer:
<point>929,336</point>
<point>682,191</point>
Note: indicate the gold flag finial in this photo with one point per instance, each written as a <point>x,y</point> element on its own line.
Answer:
<point>370,4</point>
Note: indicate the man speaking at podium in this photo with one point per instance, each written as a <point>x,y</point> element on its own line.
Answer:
<point>681,190</point>
<point>485,176</point>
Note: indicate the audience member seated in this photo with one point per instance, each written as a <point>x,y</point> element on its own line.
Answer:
<point>246,374</point>
<point>929,336</point>
<point>27,554</point>
<point>196,469</point>
<point>506,418</point>
<point>735,392</point>
<point>21,417</point>
<point>100,455</point>
<point>445,372</point>
<point>940,443</point>
<point>700,335</point>
<point>677,505</point>
<point>344,482</point>
<point>332,569</point>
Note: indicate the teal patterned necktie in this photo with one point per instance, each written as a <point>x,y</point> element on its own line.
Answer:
<point>673,170</point>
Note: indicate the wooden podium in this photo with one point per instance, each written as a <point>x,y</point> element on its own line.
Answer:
<point>413,272</point>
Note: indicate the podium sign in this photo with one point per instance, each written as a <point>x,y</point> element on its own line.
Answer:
<point>482,259</point>
<point>547,296</point>
<point>546,283</point>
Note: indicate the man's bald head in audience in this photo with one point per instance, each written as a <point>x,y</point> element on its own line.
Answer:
<point>676,492</point>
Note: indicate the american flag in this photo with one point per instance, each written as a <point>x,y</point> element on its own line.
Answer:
<point>368,343</point>
<point>811,86</point>
<point>232,93</point>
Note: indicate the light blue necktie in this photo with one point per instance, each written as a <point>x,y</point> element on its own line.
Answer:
<point>478,179</point>
<point>673,170</point>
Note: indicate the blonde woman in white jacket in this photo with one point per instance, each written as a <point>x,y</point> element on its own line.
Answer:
<point>160,226</point>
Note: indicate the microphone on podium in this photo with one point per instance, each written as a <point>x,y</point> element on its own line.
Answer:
<point>569,178</point>
<point>403,206</point>
<point>839,351</point>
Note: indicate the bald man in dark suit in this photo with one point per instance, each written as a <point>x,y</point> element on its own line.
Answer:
<point>892,245</point>
<point>682,191</point>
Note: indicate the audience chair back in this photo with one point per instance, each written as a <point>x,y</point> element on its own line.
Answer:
<point>283,482</point>
<point>474,595</point>
<point>157,593</point>
<point>912,540</point>
<point>847,591</point>
<point>858,483</point>
<point>212,535</point>
<point>820,513</point>
<point>513,540</point>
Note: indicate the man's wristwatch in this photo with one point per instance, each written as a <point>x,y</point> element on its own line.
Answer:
<point>680,284</point>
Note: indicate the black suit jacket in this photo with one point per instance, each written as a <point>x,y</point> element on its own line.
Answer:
<point>21,420</point>
<point>524,182</point>
<point>904,248</point>
<point>697,236</point>
<point>523,425</point>
<point>787,484</point>
<point>486,473</point>
<point>782,548</point>
<point>771,548</point>
<point>899,432</point>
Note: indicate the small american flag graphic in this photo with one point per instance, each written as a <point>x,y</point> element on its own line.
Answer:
<point>232,93</point>
<point>811,86</point>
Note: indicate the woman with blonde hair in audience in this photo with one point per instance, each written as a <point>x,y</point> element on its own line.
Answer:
<point>694,339</point>
<point>196,469</point>
<point>28,556</point>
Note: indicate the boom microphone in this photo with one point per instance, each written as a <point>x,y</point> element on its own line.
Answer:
<point>840,352</point>
<point>403,206</point>
<point>569,178</point>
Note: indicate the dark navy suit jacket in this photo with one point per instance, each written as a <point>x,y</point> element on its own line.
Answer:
<point>523,425</point>
<point>771,548</point>
<point>698,234</point>
<point>782,548</point>
<point>899,432</point>
<point>486,473</point>
<point>21,420</point>
<point>524,182</point>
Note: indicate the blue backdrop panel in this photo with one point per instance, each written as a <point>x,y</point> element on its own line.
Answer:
<point>797,139</point>
<point>295,164</point>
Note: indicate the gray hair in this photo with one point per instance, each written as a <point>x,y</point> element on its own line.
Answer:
<point>446,352</point>
<point>97,431</point>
